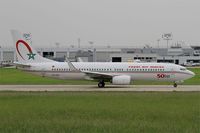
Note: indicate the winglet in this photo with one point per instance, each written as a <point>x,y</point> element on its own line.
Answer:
<point>71,66</point>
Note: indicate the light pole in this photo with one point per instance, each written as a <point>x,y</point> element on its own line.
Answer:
<point>57,44</point>
<point>79,43</point>
<point>167,37</point>
<point>158,43</point>
<point>94,50</point>
<point>91,44</point>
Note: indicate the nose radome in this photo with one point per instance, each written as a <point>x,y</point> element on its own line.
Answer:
<point>192,73</point>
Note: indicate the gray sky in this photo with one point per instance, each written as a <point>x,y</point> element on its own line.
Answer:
<point>113,22</point>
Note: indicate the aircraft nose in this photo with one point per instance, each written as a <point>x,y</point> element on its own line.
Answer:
<point>192,73</point>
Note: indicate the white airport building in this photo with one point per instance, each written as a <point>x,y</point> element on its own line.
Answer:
<point>177,55</point>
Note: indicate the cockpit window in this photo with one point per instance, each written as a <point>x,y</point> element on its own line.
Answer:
<point>183,69</point>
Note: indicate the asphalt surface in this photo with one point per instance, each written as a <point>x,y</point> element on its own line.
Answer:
<point>167,88</point>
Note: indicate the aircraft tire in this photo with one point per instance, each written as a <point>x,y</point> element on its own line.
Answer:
<point>101,84</point>
<point>175,85</point>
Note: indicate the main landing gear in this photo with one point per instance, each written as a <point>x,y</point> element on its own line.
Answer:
<point>101,84</point>
<point>175,84</point>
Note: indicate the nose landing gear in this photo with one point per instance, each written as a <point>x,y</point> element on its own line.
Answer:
<point>175,85</point>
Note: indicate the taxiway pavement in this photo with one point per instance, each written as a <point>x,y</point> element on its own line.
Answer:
<point>161,88</point>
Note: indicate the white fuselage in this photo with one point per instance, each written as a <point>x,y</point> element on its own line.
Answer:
<point>137,71</point>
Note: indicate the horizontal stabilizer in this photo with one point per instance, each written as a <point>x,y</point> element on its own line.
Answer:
<point>21,65</point>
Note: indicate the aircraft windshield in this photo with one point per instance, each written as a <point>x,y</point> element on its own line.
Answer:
<point>183,69</point>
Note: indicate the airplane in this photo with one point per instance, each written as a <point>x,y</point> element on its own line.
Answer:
<point>117,73</point>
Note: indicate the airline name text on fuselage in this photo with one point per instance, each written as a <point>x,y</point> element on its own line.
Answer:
<point>146,67</point>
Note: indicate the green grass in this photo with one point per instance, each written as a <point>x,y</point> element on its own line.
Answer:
<point>14,76</point>
<point>114,112</point>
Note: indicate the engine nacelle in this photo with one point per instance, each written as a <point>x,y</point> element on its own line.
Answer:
<point>121,80</point>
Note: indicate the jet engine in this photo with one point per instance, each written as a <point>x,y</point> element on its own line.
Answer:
<point>121,80</point>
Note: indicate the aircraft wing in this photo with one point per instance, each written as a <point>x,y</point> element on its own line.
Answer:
<point>98,75</point>
<point>90,74</point>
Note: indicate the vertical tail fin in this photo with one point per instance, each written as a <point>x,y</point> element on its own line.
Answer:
<point>24,52</point>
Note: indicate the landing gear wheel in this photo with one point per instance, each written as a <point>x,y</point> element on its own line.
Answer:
<point>101,84</point>
<point>175,85</point>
